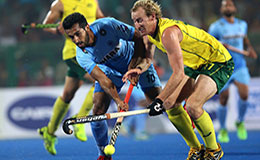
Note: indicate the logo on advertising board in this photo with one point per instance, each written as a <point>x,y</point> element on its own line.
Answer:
<point>31,112</point>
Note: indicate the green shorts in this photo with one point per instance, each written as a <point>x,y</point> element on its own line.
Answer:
<point>74,69</point>
<point>219,72</point>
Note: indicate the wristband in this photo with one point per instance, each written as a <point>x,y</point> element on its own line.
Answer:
<point>159,100</point>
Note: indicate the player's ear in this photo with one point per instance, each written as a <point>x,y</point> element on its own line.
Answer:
<point>86,27</point>
<point>152,16</point>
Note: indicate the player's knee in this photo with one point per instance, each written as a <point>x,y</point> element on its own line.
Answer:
<point>67,97</point>
<point>97,111</point>
<point>223,101</point>
<point>223,98</point>
<point>194,108</point>
<point>98,108</point>
<point>244,96</point>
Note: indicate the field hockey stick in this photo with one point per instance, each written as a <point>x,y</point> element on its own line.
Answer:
<point>25,27</point>
<point>94,118</point>
<point>116,129</point>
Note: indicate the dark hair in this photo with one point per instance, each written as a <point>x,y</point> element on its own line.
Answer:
<point>74,18</point>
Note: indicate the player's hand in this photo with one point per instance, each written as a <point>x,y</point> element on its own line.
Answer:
<point>246,53</point>
<point>156,108</point>
<point>60,29</point>
<point>122,106</point>
<point>132,75</point>
<point>252,54</point>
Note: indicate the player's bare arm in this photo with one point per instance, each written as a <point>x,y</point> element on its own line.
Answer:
<point>108,87</point>
<point>54,14</point>
<point>250,49</point>
<point>171,39</point>
<point>139,49</point>
<point>229,47</point>
<point>146,55</point>
<point>141,60</point>
<point>99,13</point>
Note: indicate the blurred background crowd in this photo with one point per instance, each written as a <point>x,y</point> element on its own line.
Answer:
<point>35,59</point>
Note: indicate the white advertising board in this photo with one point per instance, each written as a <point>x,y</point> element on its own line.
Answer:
<point>23,110</point>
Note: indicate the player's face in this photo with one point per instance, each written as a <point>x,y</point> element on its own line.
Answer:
<point>78,35</point>
<point>228,8</point>
<point>144,24</point>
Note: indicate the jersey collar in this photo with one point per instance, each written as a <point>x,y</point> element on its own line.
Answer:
<point>156,29</point>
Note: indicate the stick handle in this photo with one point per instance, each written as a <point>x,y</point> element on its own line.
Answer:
<point>125,114</point>
<point>128,94</point>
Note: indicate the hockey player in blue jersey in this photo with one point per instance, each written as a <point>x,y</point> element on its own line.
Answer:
<point>232,32</point>
<point>105,50</point>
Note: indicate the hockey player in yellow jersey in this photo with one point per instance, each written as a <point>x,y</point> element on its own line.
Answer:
<point>75,74</point>
<point>201,66</point>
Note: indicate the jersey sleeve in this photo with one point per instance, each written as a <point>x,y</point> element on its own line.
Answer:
<point>246,27</point>
<point>122,30</point>
<point>85,60</point>
<point>213,30</point>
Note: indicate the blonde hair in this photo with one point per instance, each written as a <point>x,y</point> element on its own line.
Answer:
<point>149,6</point>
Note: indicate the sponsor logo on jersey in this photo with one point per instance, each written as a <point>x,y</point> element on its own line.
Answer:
<point>110,54</point>
<point>123,28</point>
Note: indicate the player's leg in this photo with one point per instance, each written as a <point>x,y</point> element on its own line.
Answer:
<point>79,129</point>
<point>61,105</point>
<point>211,79</point>
<point>88,102</point>
<point>100,128</point>
<point>101,103</point>
<point>222,114</point>
<point>241,80</point>
<point>182,122</point>
<point>204,89</point>
<point>242,108</point>
<point>78,72</point>
<point>60,109</point>
<point>150,84</point>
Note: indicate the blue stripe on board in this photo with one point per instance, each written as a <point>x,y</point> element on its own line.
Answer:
<point>162,146</point>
